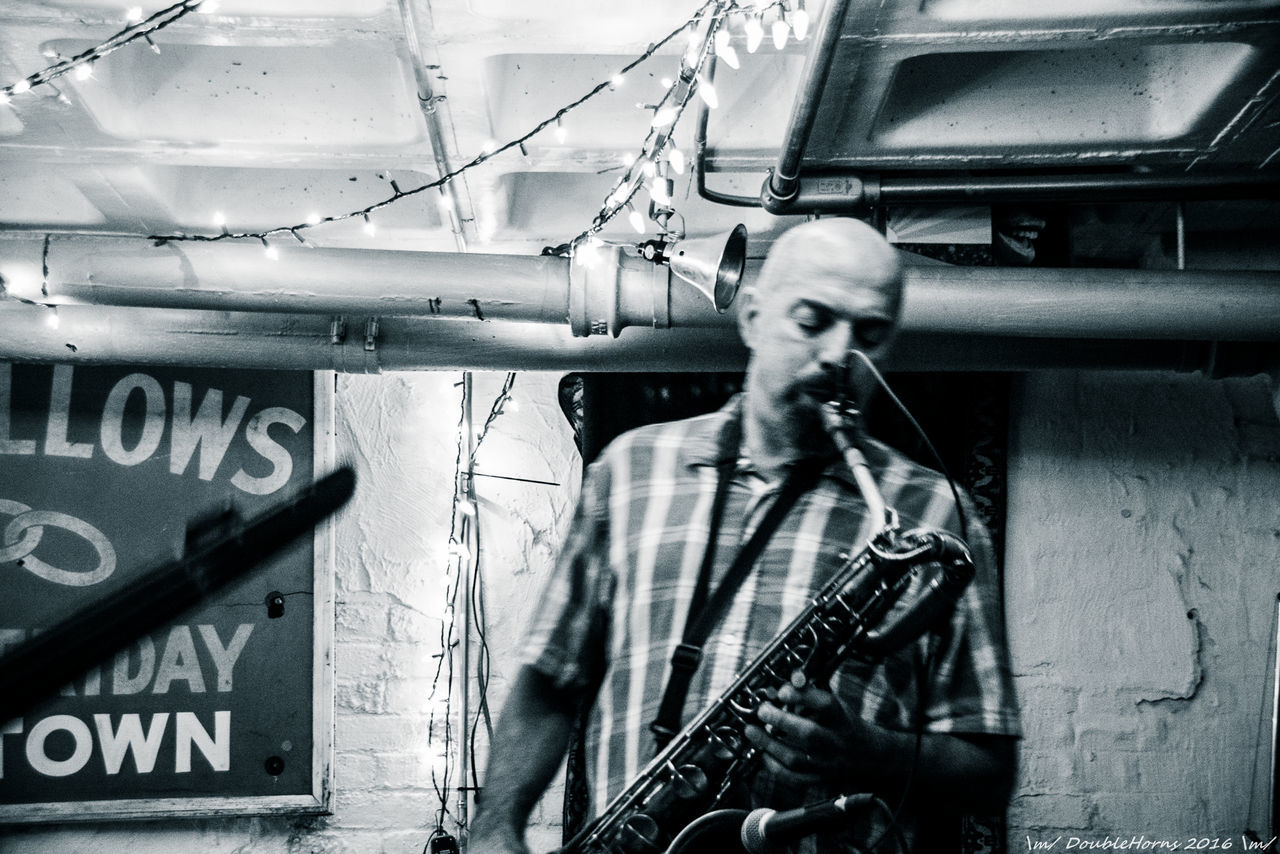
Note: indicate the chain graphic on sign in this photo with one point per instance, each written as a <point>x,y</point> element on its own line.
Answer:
<point>24,532</point>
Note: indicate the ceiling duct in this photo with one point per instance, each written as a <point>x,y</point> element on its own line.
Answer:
<point>224,304</point>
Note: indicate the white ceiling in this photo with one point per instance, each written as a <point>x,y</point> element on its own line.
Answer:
<point>271,111</point>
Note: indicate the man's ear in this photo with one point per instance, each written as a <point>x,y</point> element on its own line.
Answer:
<point>748,311</point>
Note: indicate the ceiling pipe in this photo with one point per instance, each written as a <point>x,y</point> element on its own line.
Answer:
<point>783,182</point>
<point>96,335</point>
<point>857,193</point>
<point>429,103</point>
<point>622,290</point>
<point>352,344</point>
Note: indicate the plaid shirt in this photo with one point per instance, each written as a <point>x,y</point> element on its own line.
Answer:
<point>616,605</point>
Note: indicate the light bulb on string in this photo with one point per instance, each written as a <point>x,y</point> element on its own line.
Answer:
<point>369,228</point>
<point>617,80</point>
<point>51,319</point>
<point>313,218</point>
<point>659,193</point>
<point>800,22</point>
<point>754,30</point>
<point>693,52</point>
<point>707,93</point>
<point>270,251</point>
<point>587,253</point>
<point>84,71</point>
<point>725,51</point>
<point>666,82</point>
<point>208,7</point>
<point>636,219</point>
<point>676,158</point>
<point>664,116</point>
<point>133,15</point>
<point>780,31</point>
<point>445,204</point>
<point>21,86</point>
<point>561,132</point>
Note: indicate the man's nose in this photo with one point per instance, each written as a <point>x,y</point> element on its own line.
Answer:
<point>834,347</point>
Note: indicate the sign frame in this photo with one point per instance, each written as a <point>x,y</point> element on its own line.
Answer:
<point>319,800</point>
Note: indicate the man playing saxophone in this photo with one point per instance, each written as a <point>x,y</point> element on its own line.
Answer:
<point>664,517</point>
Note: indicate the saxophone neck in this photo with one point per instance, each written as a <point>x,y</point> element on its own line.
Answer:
<point>844,425</point>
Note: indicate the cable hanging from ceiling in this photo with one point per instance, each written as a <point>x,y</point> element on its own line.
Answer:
<point>82,63</point>
<point>463,577</point>
<point>650,169</point>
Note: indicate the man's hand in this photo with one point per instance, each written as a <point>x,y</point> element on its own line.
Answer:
<point>807,736</point>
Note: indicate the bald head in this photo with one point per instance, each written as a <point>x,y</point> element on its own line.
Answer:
<point>835,248</point>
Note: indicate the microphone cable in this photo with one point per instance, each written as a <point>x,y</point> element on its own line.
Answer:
<point>924,437</point>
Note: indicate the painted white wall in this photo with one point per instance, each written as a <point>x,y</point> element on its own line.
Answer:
<point>1142,569</point>
<point>1134,499</point>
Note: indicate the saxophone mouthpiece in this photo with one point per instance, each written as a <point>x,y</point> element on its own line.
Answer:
<point>840,421</point>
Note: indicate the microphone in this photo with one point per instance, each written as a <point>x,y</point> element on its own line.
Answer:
<point>765,830</point>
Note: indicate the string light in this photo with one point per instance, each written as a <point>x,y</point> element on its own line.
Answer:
<point>705,22</point>
<point>138,28</point>
<point>800,21</point>
<point>663,118</point>
<point>635,218</point>
<point>780,31</point>
<point>676,158</point>
<point>561,132</point>
<point>707,93</point>
<point>754,30</point>
<point>660,194</point>
<point>84,72</point>
<point>369,228</point>
<point>725,51</point>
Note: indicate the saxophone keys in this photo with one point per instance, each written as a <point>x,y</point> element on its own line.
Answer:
<point>640,834</point>
<point>691,781</point>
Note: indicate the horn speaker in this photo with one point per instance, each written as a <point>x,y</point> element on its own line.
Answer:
<point>712,264</point>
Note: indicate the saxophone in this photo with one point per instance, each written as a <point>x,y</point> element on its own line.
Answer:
<point>851,616</point>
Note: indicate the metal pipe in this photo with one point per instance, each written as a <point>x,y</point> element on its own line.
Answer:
<point>1050,302</point>
<point>783,180</point>
<point>429,104</point>
<point>622,290</point>
<point>626,291</point>
<point>164,337</point>
<point>699,165</point>
<point>856,192</point>
<point>471,551</point>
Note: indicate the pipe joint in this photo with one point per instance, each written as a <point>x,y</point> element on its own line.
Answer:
<point>836,193</point>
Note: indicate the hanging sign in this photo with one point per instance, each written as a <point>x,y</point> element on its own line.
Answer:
<point>227,709</point>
